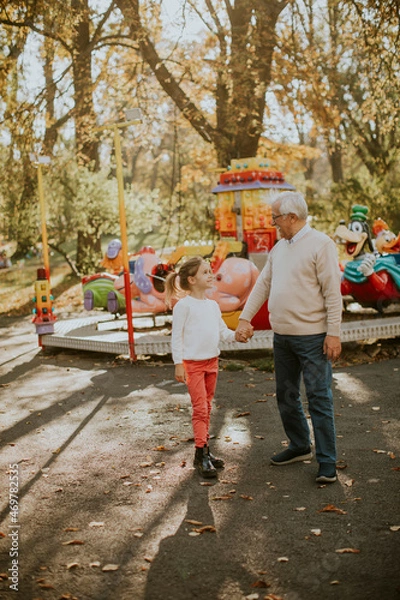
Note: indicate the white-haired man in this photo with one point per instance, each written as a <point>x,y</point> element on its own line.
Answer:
<point>301,280</point>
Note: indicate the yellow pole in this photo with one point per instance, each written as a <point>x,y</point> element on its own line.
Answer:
<point>124,241</point>
<point>45,249</point>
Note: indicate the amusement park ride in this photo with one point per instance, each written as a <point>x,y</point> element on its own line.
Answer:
<point>243,222</point>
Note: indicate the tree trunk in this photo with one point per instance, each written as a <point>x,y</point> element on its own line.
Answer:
<point>84,113</point>
<point>335,160</point>
<point>242,77</point>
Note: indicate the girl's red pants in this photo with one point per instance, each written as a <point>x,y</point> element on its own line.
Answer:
<point>201,379</point>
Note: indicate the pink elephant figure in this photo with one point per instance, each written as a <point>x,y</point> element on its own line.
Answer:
<point>234,281</point>
<point>145,298</point>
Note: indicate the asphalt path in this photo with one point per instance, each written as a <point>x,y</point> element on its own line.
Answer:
<point>99,500</point>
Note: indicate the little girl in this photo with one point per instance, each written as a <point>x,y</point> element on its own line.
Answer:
<point>197,328</point>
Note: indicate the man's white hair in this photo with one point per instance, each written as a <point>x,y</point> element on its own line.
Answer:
<point>291,202</point>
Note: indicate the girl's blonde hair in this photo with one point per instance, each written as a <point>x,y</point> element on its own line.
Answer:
<point>186,270</point>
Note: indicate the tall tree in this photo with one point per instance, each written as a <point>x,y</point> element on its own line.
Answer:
<point>240,44</point>
<point>350,90</point>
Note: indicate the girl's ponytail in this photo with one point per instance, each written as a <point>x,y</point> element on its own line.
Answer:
<point>171,288</point>
<point>187,269</point>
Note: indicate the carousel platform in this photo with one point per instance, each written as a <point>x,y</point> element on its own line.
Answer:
<point>152,334</point>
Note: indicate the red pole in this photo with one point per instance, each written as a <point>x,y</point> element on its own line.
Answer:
<point>124,241</point>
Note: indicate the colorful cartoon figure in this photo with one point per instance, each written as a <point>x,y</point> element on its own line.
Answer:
<point>96,289</point>
<point>372,280</point>
<point>386,242</point>
<point>234,281</point>
<point>145,296</point>
<point>113,260</point>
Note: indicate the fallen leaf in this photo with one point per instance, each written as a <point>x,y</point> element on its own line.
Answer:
<point>125,476</point>
<point>226,497</point>
<point>146,464</point>
<point>347,551</point>
<point>380,451</point>
<point>193,533</point>
<point>206,483</point>
<point>46,586</point>
<point>193,522</point>
<point>110,567</point>
<point>283,559</point>
<point>96,563</point>
<point>252,597</point>
<point>250,385</point>
<point>138,535</point>
<point>71,529</point>
<point>395,528</point>
<point>246,497</point>
<point>300,508</point>
<point>273,597</point>
<point>73,543</point>
<point>259,437</point>
<point>334,582</point>
<point>72,565</point>
<point>161,449</point>
<point>209,528</point>
<point>148,559</point>
<point>183,463</point>
<point>333,508</point>
<point>260,584</point>
<point>2,534</point>
<point>316,532</point>
<point>391,455</point>
<point>243,414</point>
<point>349,482</point>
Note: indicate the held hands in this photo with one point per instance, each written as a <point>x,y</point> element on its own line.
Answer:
<point>332,347</point>
<point>180,374</point>
<point>244,331</point>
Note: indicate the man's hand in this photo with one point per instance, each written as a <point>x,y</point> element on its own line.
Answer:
<point>332,347</point>
<point>180,373</point>
<point>244,331</point>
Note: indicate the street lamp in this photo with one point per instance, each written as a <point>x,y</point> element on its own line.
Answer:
<point>39,162</point>
<point>132,117</point>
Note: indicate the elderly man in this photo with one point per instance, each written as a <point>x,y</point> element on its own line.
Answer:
<point>301,279</point>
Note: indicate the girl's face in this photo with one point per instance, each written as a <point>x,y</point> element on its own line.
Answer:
<point>204,278</point>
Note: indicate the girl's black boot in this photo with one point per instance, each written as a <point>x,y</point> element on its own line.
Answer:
<point>203,463</point>
<point>217,463</point>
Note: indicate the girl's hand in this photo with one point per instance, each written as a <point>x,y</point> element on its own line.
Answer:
<point>180,374</point>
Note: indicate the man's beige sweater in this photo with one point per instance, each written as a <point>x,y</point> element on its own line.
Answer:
<point>302,282</point>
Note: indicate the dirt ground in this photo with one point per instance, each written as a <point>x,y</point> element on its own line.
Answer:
<point>99,500</point>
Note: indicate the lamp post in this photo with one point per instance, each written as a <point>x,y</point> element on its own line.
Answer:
<point>133,116</point>
<point>39,162</point>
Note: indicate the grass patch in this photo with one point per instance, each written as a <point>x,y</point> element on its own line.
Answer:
<point>264,364</point>
<point>234,366</point>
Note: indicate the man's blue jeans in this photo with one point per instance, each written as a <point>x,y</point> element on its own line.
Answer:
<point>303,354</point>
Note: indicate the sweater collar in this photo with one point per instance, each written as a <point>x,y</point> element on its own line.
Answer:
<point>302,232</point>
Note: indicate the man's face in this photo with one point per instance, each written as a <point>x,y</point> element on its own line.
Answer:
<point>283,222</point>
